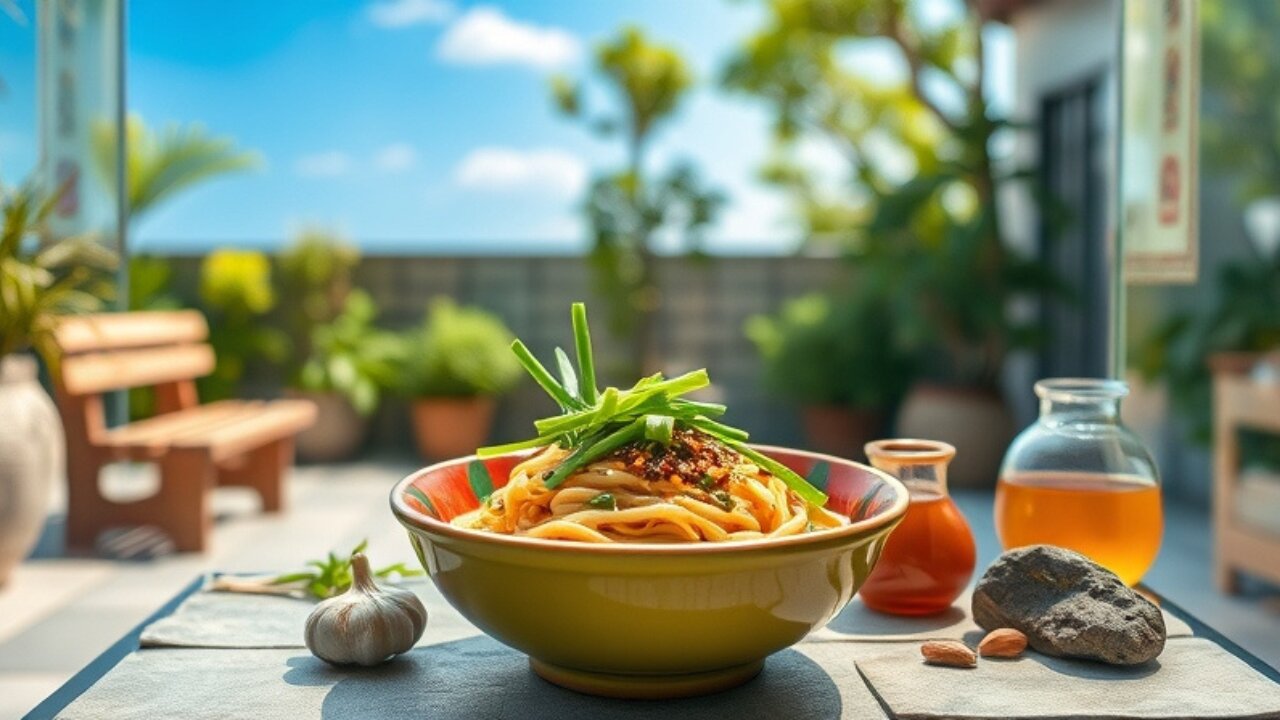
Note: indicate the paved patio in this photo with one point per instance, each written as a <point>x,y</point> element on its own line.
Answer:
<point>58,613</point>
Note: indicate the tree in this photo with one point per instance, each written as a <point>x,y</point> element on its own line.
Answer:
<point>626,209</point>
<point>920,205</point>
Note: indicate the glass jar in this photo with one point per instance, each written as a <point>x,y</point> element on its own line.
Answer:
<point>1079,479</point>
<point>928,559</point>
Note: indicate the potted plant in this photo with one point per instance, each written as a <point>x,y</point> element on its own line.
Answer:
<point>338,359</point>
<point>452,368</point>
<point>37,286</point>
<point>350,363</point>
<point>833,355</point>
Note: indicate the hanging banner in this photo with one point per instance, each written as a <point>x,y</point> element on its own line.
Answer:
<point>80,75</point>
<point>1159,159</point>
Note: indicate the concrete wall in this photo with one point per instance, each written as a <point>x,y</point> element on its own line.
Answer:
<point>701,324</point>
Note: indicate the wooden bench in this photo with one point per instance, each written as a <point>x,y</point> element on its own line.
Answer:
<point>1240,403</point>
<point>197,447</point>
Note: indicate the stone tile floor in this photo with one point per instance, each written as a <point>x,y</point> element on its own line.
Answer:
<point>58,613</point>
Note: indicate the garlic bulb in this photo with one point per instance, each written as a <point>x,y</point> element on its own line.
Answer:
<point>367,624</point>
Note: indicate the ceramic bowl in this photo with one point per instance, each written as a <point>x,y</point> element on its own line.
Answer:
<point>663,620</point>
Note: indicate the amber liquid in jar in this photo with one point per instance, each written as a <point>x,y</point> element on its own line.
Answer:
<point>1115,520</point>
<point>927,561</point>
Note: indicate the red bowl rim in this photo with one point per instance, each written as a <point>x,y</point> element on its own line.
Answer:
<point>887,517</point>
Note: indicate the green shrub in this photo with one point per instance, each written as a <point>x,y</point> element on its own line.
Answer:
<point>458,352</point>
<point>351,356</point>
<point>235,286</point>
<point>832,350</point>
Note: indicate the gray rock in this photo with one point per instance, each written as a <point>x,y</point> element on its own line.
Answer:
<point>1069,606</point>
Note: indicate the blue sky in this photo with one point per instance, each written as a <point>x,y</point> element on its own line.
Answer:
<point>419,125</point>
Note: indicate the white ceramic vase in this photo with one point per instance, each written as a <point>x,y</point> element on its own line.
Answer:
<point>32,458</point>
<point>977,422</point>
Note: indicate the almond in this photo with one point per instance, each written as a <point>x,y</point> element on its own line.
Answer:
<point>951,653</point>
<point>1003,643</point>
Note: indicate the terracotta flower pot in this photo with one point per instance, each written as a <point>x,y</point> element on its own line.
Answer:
<point>449,427</point>
<point>975,420</point>
<point>338,433</point>
<point>838,430</point>
<point>32,458</point>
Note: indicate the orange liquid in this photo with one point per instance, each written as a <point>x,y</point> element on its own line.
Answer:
<point>926,563</point>
<point>1114,520</point>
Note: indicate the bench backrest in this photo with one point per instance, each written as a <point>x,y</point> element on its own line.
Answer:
<point>113,351</point>
<point>106,352</point>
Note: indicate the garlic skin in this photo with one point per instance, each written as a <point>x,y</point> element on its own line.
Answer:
<point>368,624</point>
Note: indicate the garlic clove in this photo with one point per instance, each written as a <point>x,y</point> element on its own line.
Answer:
<point>366,625</point>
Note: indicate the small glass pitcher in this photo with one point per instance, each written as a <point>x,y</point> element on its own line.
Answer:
<point>1078,478</point>
<point>929,558</point>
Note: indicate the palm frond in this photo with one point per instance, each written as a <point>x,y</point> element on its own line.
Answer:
<point>161,164</point>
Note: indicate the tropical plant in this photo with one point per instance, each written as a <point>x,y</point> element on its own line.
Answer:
<point>919,206</point>
<point>627,209</point>
<point>42,282</point>
<point>159,165</point>
<point>833,349</point>
<point>1246,317</point>
<point>235,287</point>
<point>1241,95</point>
<point>315,274</point>
<point>350,356</point>
<point>458,352</point>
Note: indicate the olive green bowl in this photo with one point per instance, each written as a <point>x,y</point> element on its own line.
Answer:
<point>664,620</point>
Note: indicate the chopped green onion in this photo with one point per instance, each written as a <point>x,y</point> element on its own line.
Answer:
<point>479,479</point>
<point>693,407</point>
<point>586,360</point>
<point>542,377</point>
<point>811,494</point>
<point>603,501</point>
<point>494,450</point>
<point>567,376</point>
<point>586,453</point>
<point>659,428</point>
<point>724,499</point>
<point>595,423</point>
<point>718,430</point>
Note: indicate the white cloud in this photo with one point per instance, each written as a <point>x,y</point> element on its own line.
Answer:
<point>396,157</point>
<point>485,36</point>
<point>504,169</point>
<point>403,13</point>
<point>332,163</point>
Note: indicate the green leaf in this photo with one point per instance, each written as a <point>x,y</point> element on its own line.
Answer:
<point>479,479</point>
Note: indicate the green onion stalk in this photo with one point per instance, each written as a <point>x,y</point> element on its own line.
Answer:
<point>594,423</point>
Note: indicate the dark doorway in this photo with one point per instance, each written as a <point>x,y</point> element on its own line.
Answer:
<point>1073,234</point>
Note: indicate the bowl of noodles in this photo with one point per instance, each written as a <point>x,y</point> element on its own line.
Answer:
<point>638,547</point>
